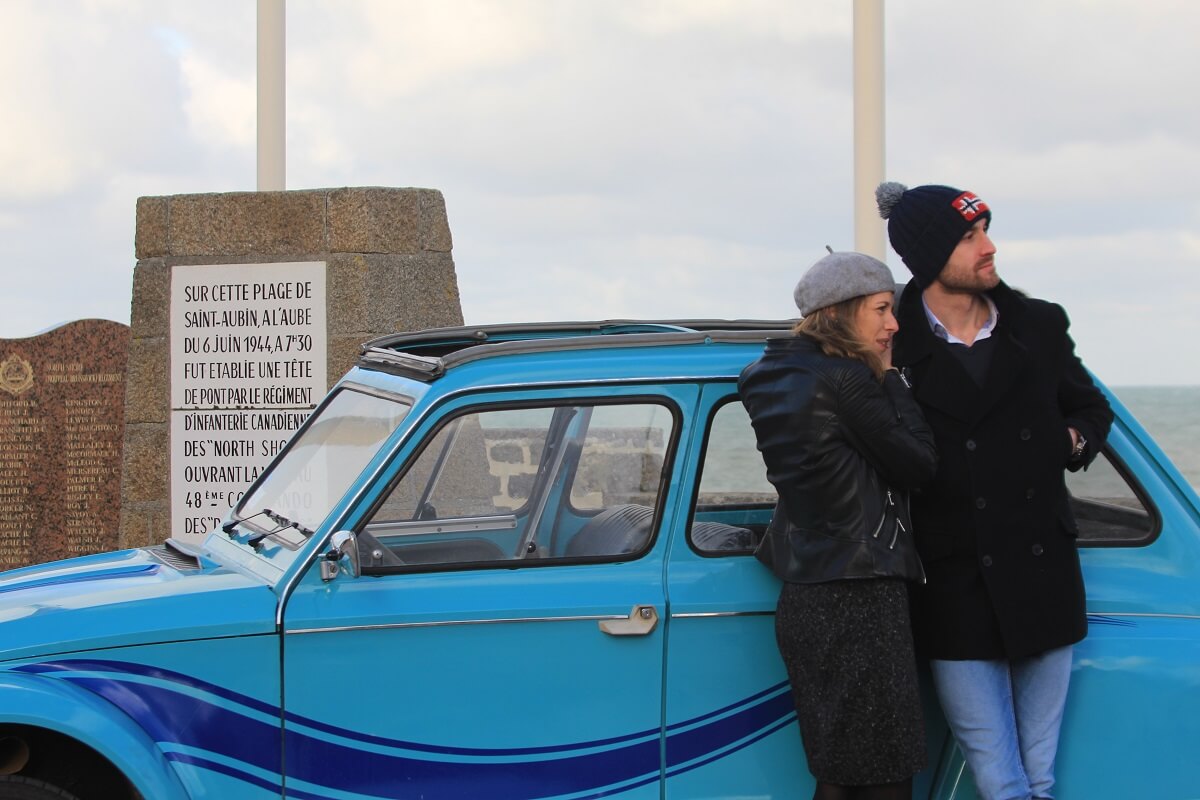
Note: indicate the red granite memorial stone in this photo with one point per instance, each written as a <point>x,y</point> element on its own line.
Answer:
<point>62,405</point>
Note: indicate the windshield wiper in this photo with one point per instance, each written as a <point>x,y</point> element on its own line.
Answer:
<point>228,527</point>
<point>283,522</point>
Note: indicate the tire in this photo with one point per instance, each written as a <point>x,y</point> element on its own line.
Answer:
<point>16,787</point>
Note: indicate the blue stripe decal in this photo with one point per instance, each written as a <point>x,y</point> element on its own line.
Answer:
<point>720,711</point>
<point>225,769</point>
<point>1101,619</point>
<point>194,685</point>
<point>183,713</point>
<point>81,577</point>
<point>696,743</point>
<point>296,720</point>
<point>786,722</point>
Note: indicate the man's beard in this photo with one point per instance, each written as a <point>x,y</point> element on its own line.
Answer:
<point>972,281</point>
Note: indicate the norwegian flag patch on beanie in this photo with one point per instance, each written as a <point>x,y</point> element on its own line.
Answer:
<point>969,205</point>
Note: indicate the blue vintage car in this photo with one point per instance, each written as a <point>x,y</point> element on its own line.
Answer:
<point>515,562</point>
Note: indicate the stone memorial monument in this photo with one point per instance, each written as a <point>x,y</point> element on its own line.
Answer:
<point>246,308</point>
<point>62,401</point>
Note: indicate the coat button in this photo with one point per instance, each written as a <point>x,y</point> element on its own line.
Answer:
<point>1025,434</point>
<point>980,503</point>
<point>971,444</point>
<point>1037,549</point>
<point>986,561</point>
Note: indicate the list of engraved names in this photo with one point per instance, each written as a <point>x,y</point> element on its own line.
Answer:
<point>21,427</point>
<point>61,431</point>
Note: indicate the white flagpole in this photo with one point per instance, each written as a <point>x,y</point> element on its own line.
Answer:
<point>271,95</point>
<point>869,229</point>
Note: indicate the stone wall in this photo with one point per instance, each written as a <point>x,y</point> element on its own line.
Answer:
<point>388,268</point>
<point>619,465</point>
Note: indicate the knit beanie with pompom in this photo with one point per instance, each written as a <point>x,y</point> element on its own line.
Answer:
<point>926,223</point>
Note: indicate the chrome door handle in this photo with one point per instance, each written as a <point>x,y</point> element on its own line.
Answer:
<point>641,621</point>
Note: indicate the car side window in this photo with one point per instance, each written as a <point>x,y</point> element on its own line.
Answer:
<point>734,500</point>
<point>563,482</point>
<point>1109,507</point>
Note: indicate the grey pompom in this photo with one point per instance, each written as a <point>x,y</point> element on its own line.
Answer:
<point>887,194</point>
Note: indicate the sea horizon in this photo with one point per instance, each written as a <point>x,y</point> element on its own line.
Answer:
<point>1171,415</point>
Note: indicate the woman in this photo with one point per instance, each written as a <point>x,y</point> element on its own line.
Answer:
<point>843,441</point>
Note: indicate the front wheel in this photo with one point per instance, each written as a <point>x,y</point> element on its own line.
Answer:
<point>17,787</point>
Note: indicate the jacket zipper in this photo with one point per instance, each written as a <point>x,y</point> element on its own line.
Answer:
<point>882,519</point>
<point>896,534</point>
<point>899,525</point>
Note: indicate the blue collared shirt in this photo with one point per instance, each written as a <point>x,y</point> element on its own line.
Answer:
<point>939,330</point>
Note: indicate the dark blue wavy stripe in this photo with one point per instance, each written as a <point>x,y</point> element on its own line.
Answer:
<point>81,577</point>
<point>157,673</point>
<point>720,711</point>
<point>132,668</point>
<point>319,761</point>
<point>789,720</point>
<point>174,718</point>
<point>232,772</point>
<point>181,718</point>
<point>195,684</point>
<point>1100,619</point>
<point>684,746</point>
<point>420,747</point>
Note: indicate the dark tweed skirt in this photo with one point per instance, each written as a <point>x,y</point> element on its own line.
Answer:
<point>849,653</point>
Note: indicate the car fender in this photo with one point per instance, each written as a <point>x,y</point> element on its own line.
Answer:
<point>58,706</point>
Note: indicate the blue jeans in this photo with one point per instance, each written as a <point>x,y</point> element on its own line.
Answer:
<point>1006,716</point>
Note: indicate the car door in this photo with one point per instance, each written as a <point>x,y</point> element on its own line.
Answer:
<point>731,727</point>
<point>730,723</point>
<point>1133,710</point>
<point>504,637</point>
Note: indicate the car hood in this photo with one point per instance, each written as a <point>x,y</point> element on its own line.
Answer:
<point>129,597</point>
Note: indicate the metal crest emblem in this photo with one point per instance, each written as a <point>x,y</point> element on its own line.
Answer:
<point>16,374</point>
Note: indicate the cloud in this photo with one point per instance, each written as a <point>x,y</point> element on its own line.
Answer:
<point>220,105</point>
<point>660,158</point>
<point>1129,296</point>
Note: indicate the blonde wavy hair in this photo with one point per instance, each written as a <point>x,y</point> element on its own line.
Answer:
<point>832,328</point>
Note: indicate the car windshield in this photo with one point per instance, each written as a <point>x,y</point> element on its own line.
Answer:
<point>321,463</point>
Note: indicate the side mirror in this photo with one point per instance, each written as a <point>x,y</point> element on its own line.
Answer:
<point>343,546</point>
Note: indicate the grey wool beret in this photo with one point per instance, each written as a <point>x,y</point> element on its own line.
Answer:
<point>841,276</point>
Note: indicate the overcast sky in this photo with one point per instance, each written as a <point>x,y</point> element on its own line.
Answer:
<point>631,158</point>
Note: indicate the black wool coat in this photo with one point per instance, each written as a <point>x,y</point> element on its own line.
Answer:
<point>994,528</point>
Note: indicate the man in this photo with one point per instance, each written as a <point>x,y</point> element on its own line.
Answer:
<point>1011,407</point>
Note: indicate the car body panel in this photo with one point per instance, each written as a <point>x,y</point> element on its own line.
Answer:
<point>101,601</point>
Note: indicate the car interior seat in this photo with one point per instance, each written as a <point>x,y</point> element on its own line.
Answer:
<point>614,531</point>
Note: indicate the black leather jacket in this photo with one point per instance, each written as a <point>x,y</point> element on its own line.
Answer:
<point>842,450</point>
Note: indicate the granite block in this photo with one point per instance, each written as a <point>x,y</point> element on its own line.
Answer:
<point>411,293</point>
<point>243,223</point>
<point>435,225</point>
<point>347,294</point>
<point>374,220</point>
<point>146,461</point>
<point>150,303</point>
<point>343,354</point>
<point>151,227</point>
<point>143,524</point>
<point>146,389</point>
